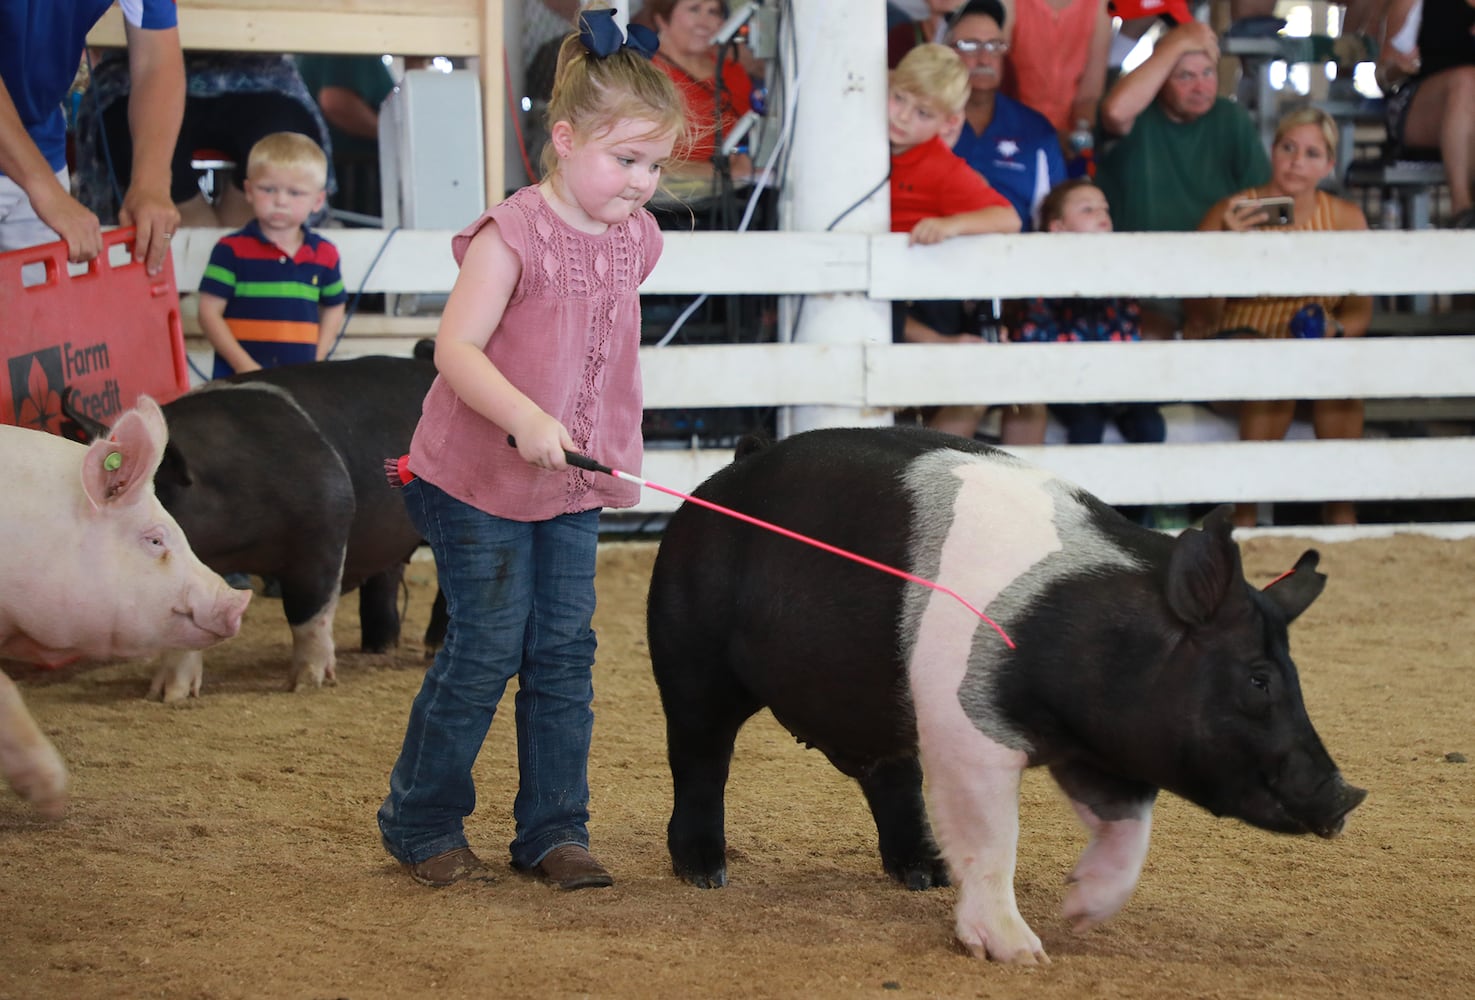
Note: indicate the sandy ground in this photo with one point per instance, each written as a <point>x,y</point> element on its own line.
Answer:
<point>227,848</point>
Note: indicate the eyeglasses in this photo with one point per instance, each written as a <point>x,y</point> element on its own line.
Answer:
<point>994,46</point>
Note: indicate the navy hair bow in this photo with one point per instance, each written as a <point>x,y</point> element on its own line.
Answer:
<point>602,37</point>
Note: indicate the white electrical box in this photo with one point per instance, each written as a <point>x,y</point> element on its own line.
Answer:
<point>431,161</point>
<point>431,151</point>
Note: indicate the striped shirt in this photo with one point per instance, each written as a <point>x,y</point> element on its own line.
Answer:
<point>272,300</point>
<point>1270,316</point>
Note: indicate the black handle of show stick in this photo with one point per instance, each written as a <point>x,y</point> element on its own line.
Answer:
<point>575,459</point>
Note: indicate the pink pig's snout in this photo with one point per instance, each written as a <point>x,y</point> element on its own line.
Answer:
<point>216,612</point>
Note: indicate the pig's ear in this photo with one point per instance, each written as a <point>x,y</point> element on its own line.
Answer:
<point>1294,592</point>
<point>120,469</point>
<point>1204,569</point>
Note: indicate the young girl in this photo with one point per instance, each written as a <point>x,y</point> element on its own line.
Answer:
<point>539,341</point>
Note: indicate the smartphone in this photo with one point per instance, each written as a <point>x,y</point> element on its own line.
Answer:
<point>1280,211</point>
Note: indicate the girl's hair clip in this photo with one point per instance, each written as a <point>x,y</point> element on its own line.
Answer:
<point>602,37</point>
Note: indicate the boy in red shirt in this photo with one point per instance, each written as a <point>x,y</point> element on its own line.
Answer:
<point>936,195</point>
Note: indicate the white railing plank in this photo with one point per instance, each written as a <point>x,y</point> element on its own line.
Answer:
<point>1176,264</point>
<point>880,376</point>
<point>753,375</point>
<point>884,267</point>
<point>420,260</point>
<point>1205,472</point>
<point>1406,469</point>
<point>761,263</point>
<point>1163,371</point>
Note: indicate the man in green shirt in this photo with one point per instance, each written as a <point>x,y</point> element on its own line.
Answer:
<point>349,90</point>
<point>1181,146</point>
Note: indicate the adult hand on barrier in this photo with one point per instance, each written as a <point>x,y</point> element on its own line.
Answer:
<point>154,219</point>
<point>73,222</point>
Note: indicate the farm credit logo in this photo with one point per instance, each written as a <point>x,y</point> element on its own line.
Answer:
<point>38,378</point>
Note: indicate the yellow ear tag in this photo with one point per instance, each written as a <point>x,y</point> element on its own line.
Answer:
<point>113,461</point>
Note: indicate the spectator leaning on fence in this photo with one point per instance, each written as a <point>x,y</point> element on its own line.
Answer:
<point>1302,156</point>
<point>936,196</point>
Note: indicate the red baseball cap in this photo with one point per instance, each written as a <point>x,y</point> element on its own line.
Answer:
<point>1174,10</point>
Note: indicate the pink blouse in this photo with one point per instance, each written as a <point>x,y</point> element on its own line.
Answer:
<point>570,340</point>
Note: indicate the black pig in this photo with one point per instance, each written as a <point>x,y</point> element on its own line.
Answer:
<point>281,473</point>
<point>1142,662</point>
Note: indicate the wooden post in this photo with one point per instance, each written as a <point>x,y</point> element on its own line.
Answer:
<point>493,100</point>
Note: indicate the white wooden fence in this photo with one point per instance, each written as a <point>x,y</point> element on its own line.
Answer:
<point>864,377</point>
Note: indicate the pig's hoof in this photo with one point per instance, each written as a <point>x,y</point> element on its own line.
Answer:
<point>1093,901</point>
<point>921,875</point>
<point>311,676</point>
<point>44,784</point>
<point>713,877</point>
<point>172,689</point>
<point>1011,942</point>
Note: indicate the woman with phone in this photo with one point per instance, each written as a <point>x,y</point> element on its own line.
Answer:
<point>1302,156</point>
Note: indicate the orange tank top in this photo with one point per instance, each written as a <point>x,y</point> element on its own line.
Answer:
<point>1048,53</point>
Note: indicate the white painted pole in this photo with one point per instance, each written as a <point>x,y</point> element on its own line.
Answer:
<point>840,152</point>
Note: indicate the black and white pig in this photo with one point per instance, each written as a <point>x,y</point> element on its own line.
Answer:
<point>1143,662</point>
<point>281,473</point>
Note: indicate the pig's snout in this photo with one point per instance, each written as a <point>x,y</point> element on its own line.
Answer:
<point>1345,798</point>
<point>218,612</point>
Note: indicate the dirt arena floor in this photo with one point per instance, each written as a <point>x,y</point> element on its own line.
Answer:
<point>227,848</point>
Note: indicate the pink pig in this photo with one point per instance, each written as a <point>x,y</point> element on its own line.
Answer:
<point>92,567</point>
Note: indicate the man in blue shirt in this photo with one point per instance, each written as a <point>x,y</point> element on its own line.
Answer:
<point>1013,146</point>
<point>41,43</point>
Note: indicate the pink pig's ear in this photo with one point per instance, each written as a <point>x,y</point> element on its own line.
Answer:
<point>119,469</point>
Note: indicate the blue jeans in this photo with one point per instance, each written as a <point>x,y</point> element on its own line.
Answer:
<point>1085,423</point>
<point>521,599</point>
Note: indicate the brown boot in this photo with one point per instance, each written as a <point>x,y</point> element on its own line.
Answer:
<point>448,868</point>
<point>571,866</point>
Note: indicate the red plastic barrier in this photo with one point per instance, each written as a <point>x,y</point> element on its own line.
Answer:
<point>110,332</point>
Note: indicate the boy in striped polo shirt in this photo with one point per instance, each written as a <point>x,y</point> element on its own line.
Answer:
<point>272,294</point>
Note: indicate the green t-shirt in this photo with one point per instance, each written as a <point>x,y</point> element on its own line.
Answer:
<point>1163,176</point>
<point>366,76</point>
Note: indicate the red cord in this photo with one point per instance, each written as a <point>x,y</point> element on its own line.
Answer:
<point>516,113</point>
<point>820,545</point>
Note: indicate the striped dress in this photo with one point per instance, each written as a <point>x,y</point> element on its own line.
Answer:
<point>1270,316</point>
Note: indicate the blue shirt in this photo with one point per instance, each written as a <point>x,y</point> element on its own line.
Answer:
<point>1019,154</point>
<point>40,48</point>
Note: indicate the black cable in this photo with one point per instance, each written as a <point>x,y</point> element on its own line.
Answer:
<point>799,309</point>
<point>363,283</point>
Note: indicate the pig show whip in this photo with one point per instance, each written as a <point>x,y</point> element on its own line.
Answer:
<point>590,465</point>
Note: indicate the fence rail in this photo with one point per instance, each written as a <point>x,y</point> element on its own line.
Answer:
<point>864,373</point>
